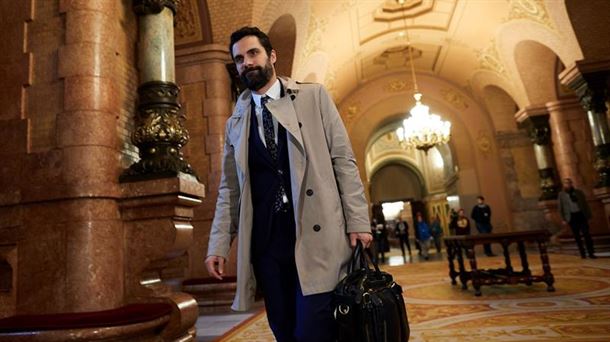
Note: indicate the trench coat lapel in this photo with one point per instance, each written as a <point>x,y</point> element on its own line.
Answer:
<point>284,111</point>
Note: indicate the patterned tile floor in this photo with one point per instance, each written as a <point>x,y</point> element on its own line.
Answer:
<point>579,309</point>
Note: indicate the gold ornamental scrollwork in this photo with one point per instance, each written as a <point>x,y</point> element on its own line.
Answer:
<point>159,133</point>
<point>484,143</point>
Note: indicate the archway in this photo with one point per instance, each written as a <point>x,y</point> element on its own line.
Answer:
<point>283,34</point>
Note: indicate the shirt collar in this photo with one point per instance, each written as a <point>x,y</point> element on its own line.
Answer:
<point>274,93</point>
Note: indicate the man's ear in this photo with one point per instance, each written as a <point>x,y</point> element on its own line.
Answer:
<point>273,57</point>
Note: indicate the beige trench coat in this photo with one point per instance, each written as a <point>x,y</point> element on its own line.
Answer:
<point>321,160</point>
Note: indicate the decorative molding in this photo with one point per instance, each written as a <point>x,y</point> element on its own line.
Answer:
<point>353,109</point>
<point>396,86</point>
<point>188,24</point>
<point>145,7</point>
<point>489,59</point>
<point>484,143</point>
<point>455,99</point>
<point>530,9</point>
<point>159,134</point>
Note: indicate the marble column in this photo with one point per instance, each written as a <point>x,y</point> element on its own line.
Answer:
<point>590,81</point>
<point>159,133</point>
<point>536,118</point>
<point>206,83</point>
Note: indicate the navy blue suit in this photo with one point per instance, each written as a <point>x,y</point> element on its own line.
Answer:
<point>292,316</point>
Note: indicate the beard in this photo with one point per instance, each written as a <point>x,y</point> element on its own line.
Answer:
<point>257,77</point>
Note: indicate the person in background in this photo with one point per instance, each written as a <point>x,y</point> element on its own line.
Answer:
<point>461,224</point>
<point>402,233</point>
<point>453,216</point>
<point>576,213</point>
<point>382,244</point>
<point>423,234</point>
<point>437,232</point>
<point>481,214</point>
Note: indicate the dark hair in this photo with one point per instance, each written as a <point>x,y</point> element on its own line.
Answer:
<point>250,31</point>
<point>481,198</point>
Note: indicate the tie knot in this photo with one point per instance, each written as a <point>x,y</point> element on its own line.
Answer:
<point>264,100</point>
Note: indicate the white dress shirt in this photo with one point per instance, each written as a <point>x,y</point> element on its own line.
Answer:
<point>274,93</point>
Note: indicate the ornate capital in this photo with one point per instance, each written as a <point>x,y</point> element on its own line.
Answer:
<point>594,100</point>
<point>159,133</point>
<point>548,184</point>
<point>539,129</point>
<point>144,7</point>
<point>602,165</point>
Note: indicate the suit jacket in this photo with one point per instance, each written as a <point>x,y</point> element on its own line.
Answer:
<point>564,204</point>
<point>327,193</point>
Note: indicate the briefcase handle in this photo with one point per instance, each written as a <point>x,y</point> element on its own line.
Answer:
<point>363,256</point>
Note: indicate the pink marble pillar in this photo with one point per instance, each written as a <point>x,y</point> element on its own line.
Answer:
<point>157,216</point>
<point>202,74</point>
<point>573,145</point>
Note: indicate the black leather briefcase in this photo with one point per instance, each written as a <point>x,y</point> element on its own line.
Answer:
<point>369,306</point>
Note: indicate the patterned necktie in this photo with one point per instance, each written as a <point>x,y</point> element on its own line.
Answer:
<point>280,202</point>
<point>268,129</point>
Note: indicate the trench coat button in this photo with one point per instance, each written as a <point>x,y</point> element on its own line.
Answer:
<point>292,97</point>
<point>280,172</point>
<point>300,125</point>
<point>309,192</point>
<point>317,228</point>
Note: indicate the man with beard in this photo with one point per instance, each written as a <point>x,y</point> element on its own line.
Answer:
<point>575,212</point>
<point>290,192</point>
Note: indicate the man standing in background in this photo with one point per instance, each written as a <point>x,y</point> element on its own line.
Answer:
<point>576,213</point>
<point>481,215</point>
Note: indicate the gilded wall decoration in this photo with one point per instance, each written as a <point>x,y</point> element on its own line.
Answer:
<point>455,99</point>
<point>188,25</point>
<point>489,59</point>
<point>484,143</point>
<point>351,112</point>
<point>396,86</point>
<point>315,32</point>
<point>530,9</point>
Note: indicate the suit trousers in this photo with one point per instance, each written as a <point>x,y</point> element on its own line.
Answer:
<point>580,226</point>
<point>292,316</point>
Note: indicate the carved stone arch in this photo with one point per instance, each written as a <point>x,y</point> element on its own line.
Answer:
<point>283,34</point>
<point>536,67</point>
<point>511,34</point>
<point>501,107</point>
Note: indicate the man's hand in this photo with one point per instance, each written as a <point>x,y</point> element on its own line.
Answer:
<point>365,238</point>
<point>215,265</point>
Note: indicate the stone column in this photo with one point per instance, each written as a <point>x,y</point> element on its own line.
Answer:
<point>203,76</point>
<point>537,120</point>
<point>571,142</point>
<point>590,80</point>
<point>159,133</point>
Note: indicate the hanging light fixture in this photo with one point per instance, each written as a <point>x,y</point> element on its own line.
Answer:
<point>421,130</point>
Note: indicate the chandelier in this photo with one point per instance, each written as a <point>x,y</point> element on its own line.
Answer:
<point>421,130</point>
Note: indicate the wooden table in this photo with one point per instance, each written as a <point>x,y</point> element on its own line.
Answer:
<point>457,245</point>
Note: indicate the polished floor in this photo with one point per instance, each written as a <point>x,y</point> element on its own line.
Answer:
<point>578,311</point>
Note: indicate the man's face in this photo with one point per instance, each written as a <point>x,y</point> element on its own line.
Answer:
<point>480,200</point>
<point>567,184</point>
<point>255,68</point>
